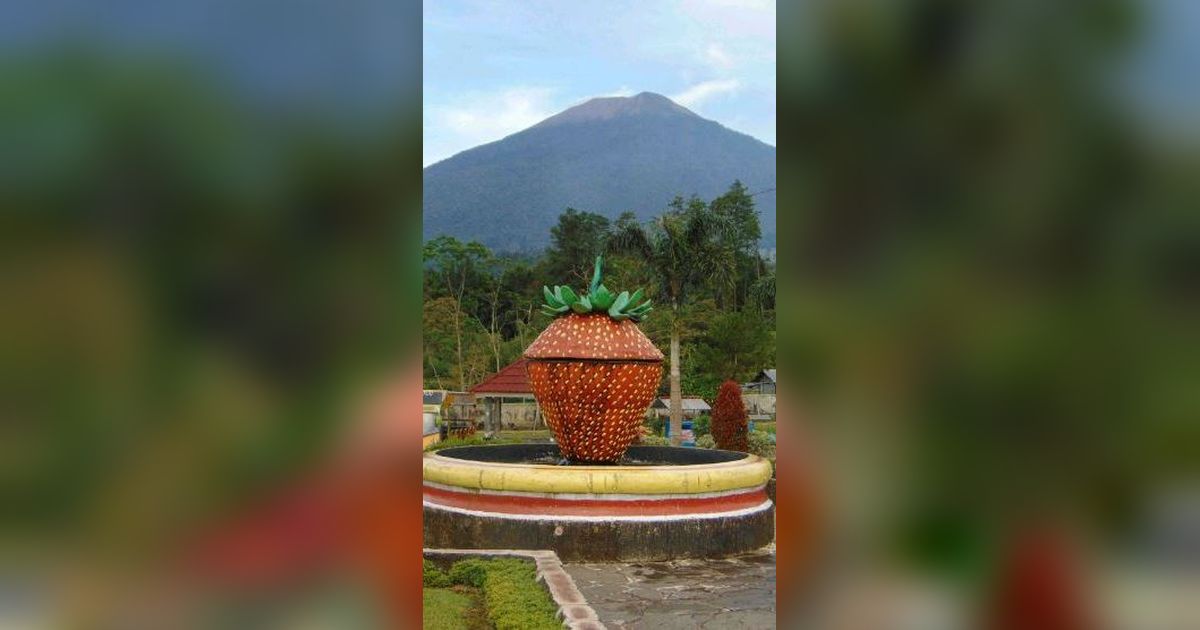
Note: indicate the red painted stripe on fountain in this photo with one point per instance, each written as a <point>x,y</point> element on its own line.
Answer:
<point>551,507</point>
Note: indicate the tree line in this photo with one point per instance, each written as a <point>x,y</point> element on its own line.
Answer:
<point>699,261</point>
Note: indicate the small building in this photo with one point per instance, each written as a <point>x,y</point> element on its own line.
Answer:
<point>692,407</point>
<point>763,383</point>
<point>507,399</point>
<point>759,394</point>
<point>444,408</point>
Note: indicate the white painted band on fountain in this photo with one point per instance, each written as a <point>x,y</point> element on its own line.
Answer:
<point>598,496</point>
<point>765,505</point>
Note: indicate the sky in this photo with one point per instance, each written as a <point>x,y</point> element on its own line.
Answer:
<point>494,67</point>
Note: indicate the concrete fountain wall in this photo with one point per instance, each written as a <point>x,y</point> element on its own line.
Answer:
<point>692,503</point>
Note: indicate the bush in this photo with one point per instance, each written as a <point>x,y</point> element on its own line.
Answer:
<point>656,424</point>
<point>432,576</point>
<point>513,599</point>
<point>470,572</point>
<point>760,444</point>
<point>655,440</point>
<point>702,425</point>
<point>706,441</point>
<point>729,418</point>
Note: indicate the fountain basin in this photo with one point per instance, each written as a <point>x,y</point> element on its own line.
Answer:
<point>659,503</point>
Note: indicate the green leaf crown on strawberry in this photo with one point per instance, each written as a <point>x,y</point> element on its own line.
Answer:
<point>598,299</point>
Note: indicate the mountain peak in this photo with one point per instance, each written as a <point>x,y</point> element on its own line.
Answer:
<point>606,155</point>
<point>606,107</point>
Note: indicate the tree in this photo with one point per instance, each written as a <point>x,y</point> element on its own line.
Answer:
<point>736,206</point>
<point>576,240</point>
<point>737,237</point>
<point>729,418</point>
<point>454,263</point>
<point>679,247</point>
<point>762,292</point>
<point>520,293</point>
<point>736,345</point>
<point>438,334</point>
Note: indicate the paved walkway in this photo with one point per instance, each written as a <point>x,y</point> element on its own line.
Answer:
<point>731,593</point>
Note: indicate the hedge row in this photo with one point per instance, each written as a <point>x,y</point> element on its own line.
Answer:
<point>514,601</point>
<point>510,593</point>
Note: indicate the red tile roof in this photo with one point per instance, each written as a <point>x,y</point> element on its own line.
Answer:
<point>511,380</point>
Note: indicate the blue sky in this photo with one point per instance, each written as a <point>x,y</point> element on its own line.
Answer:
<point>494,67</point>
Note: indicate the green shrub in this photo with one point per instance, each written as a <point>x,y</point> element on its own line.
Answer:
<point>656,424</point>
<point>474,440</point>
<point>432,576</point>
<point>706,441</point>
<point>702,425</point>
<point>655,440</point>
<point>513,599</point>
<point>469,572</point>
<point>761,445</point>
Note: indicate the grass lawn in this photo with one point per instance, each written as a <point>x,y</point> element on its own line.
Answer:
<point>454,608</point>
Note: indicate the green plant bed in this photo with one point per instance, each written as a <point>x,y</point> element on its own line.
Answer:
<point>525,434</point>
<point>457,608</point>
<point>508,590</point>
<point>768,427</point>
<point>474,440</point>
<point>514,600</point>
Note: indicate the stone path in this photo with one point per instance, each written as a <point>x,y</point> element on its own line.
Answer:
<point>731,593</point>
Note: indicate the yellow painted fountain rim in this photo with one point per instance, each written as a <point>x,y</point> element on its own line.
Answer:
<point>749,472</point>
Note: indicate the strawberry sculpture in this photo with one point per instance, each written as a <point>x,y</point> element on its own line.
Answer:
<point>593,371</point>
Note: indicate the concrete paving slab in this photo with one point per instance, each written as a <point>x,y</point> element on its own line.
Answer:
<point>734,592</point>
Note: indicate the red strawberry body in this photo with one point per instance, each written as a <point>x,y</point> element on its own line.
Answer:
<point>593,377</point>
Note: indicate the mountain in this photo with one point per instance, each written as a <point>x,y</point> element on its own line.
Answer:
<point>607,155</point>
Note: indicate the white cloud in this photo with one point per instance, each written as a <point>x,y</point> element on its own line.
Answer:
<point>697,94</point>
<point>718,57</point>
<point>733,35</point>
<point>479,118</point>
<point>497,115</point>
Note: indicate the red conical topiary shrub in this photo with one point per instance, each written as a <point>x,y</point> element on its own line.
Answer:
<point>729,418</point>
<point>1040,586</point>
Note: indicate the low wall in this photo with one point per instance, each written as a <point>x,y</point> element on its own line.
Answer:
<point>759,403</point>
<point>520,415</point>
<point>690,503</point>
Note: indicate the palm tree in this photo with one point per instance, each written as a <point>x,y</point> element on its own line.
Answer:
<point>678,245</point>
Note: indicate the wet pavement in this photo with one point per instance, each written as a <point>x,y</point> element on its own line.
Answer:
<point>731,593</point>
